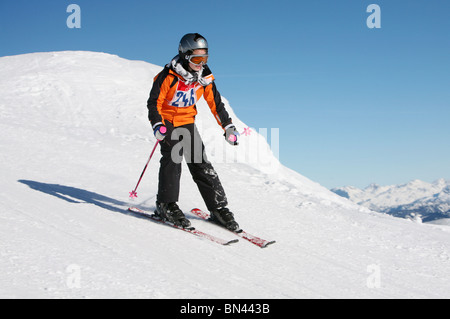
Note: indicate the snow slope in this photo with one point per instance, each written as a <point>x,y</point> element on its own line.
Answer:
<point>74,139</point>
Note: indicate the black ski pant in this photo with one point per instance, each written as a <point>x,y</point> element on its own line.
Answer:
<point>185,141</point>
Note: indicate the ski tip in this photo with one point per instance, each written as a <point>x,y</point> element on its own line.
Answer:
<point>268,244</point>
<point>234,241</point>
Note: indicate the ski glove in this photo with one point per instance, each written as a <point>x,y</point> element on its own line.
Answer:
<point>231,135</point>
<point>160,132</point>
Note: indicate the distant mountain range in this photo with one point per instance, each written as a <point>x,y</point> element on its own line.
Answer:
<point>417,200</point>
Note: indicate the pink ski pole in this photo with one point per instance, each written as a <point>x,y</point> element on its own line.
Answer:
<point>133,193</point>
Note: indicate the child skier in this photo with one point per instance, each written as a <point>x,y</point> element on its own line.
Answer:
<point>172,110</point>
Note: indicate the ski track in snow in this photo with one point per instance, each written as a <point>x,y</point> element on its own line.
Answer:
<point>74,140</point>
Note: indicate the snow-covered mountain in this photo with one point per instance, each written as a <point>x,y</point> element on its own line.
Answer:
<point>74,140</point>
<point>419,200</point>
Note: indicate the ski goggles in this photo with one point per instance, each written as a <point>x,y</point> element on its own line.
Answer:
<point>198,59</point>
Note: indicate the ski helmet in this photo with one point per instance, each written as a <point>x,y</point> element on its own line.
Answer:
<point>191,42</point>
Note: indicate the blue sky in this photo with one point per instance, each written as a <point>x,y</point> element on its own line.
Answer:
<point>354,105</point>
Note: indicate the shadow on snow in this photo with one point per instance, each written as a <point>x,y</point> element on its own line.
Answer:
<point>80,196</point>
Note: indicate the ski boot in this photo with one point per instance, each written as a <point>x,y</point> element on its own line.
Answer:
<point>224,217</point>
<point>170,212</point>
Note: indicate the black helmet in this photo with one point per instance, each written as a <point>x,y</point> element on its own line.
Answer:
<point>191,42</point>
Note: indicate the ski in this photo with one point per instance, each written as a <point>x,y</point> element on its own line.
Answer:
<point>241,233</point>
<point>191,230</point>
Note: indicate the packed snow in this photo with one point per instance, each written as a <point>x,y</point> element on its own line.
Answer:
<point>74,140</point>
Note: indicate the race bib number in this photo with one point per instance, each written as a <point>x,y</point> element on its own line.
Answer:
<point>184,96</point>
